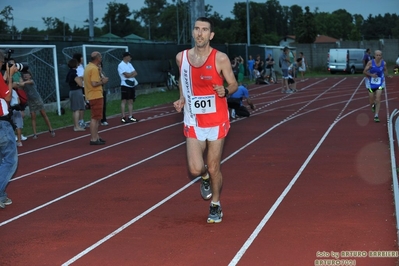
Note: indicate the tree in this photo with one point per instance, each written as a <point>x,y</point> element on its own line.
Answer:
<point>6,13</point>
<point>150,15</point>
<point>306,32</point>
<point>117,19</point>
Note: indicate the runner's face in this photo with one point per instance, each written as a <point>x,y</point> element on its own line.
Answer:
<point>202,34</point>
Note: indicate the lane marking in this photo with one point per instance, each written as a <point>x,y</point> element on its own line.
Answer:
<point>93,152</point>
<point>120,229</point>
<point>90,184</point>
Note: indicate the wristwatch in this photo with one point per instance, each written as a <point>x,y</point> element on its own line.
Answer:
<point>226,92</point>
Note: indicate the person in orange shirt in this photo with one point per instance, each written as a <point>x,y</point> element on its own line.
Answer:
<point>93,86</point>
<point>206,116</point>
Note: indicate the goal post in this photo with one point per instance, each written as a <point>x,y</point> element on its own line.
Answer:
<point>111,57</point>
<point>42,62</point>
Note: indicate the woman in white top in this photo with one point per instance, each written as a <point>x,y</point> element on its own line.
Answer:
<point>302,68</point>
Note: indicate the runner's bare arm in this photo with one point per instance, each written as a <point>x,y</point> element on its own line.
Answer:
<point>180,102</point>
<point>366,70</point>
<point>223,66</point>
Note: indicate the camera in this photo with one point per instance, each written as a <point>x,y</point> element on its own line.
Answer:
<point>20,66</point>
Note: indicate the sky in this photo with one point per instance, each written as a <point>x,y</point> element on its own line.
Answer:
<point>29,13</point>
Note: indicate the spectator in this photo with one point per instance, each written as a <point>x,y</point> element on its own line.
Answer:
<point>127,74</point>
<point>93,84</point>
<point>250,65</point>
<point>284,63</point>
<point>75,94</point>
<point>302,66</point>
<point>270,74</point>
<point>235,102</point>
<point>104,119</point>
<point>241,69</point>
<point>35,102</point>
<point>366,57</point>
<point>8,149</point>
<point>291,79</point>
<point>16,80</point>
<point>17,116</point>
<point>80,72</point>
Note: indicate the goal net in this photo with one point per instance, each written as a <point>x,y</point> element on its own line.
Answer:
<point>111,57</point>
<point>42,62</point>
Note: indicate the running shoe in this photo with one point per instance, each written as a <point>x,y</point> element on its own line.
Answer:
<point>373,108</point>
<point>233,113</point>
<point>132,119</point>
<point>124,120</point>
<point>82,124</point>
<point>205,188</point>
<point>376,119</point>
<point>8,201</point>
<point>215,214</point>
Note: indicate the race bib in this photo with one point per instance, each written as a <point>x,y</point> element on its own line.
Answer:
<point>203,104</point>
<point>376,81</point>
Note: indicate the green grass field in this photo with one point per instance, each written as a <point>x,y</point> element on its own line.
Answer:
<point>113,108</point>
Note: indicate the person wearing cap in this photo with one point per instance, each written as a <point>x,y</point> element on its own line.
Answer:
<point>127,74</point>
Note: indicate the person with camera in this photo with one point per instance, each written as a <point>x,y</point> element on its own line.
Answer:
<point>35,102</point>
<point>18,108</point>
<point>8,147</point>
<point>127,74</point>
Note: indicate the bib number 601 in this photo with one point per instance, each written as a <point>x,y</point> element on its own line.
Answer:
<point>203,104</point>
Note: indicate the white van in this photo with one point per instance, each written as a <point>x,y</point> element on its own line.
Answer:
<point>345,60</point>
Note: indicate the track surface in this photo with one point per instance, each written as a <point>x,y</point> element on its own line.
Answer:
<point>305,177</point>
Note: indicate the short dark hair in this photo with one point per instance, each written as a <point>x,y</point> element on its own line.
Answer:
<point>285,49</point>
<point>205,19</point>
<point>73,63</point>
<point>78,57</point>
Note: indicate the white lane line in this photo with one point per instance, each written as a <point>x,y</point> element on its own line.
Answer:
<point>93,152</point>
<point>120,229</point>
<point>91,184</point>
<point>277,203</point>
<point>126,225</point>
<point>86,135</point>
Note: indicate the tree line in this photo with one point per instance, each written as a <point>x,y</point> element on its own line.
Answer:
<point>161,21</point>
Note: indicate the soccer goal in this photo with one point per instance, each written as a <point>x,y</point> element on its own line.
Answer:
<point>111,57</point>
<point>42,62</point>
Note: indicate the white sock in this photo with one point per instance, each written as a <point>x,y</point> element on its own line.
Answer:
<point>215,203</point>
<point>206,176</point>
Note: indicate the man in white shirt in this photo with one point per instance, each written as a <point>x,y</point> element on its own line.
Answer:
<point>127,73</point>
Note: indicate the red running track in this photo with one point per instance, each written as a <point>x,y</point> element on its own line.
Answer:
<point>307,181</point>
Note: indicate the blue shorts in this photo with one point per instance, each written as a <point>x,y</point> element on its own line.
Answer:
<point>285,73</point>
